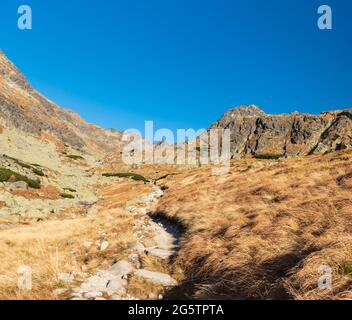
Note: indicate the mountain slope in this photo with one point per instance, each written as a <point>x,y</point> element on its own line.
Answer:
<point>24,108</point>
<point>267,230</point>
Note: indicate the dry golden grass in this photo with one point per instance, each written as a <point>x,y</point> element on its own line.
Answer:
<point>263,231</point>
<point>60,146</point>
<point>52,247</point>
<point>143,289</point>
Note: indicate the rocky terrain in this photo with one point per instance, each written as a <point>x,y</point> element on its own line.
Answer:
<point>47,154</point>
<point>254,133</point>
<point>24,108</point>
<point>162,238</point>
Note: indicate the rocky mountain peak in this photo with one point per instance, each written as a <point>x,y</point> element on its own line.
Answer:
<point>244,111</point>
<point>255,133</point>
<point>238,112</point>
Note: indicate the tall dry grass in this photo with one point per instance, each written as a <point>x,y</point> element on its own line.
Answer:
<point>263,231</point>
<point>55,247</point>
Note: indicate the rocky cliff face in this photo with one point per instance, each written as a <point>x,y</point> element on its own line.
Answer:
<point>24,108</point>
<point>255,133</point>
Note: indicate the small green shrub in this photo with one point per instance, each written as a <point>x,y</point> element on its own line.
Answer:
<point>38,172</point>
<point>346,268</point>
<point>133,176</point>
<point>69,189</point>
<point>67,196</point>
<point>20,163</point>
<point>5,175</point>
<point>164,177</point>
<point>74,157</point>
<point>32,167</point>
<point>268,156</point>
<point>35,184</point>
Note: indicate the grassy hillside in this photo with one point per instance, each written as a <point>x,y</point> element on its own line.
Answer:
<point>264,230</point>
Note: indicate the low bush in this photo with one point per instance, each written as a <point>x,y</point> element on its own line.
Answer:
<point>67,196</point>
<point>133,176</point>
<point>268,156</point>
<point>5,175</point>
<point>74,157</point>
<point>164,177</point>
<point>346,268</point>
<point>38,172</point>
<point>32,167</point>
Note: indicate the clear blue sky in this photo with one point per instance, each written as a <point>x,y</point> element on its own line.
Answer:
<point>182,63</point>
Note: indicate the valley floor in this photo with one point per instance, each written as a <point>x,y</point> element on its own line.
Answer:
<point>65,253</point>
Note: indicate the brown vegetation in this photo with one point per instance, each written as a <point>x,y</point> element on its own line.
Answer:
<point>263,231</point>
<point>52,247</point>
<point>60,146</point>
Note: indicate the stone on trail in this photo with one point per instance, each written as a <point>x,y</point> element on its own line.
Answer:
<point>95,283</point>
<point>143,211</point>
<point>117,286</point>
<point>120,269</point>
<point>113,282</point>
<point>92,295</point>
<point>159,253</point>
<point>165,240</point>
<point>157,277</point>
<point>105,282</point>
<point>137,246</point>
<point>135,259</point>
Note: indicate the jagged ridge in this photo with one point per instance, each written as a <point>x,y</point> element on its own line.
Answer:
<point>254,132</point>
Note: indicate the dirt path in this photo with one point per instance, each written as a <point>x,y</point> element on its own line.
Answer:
<point>163,240</point>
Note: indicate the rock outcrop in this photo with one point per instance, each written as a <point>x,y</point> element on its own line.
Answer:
<point>255,133</point>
